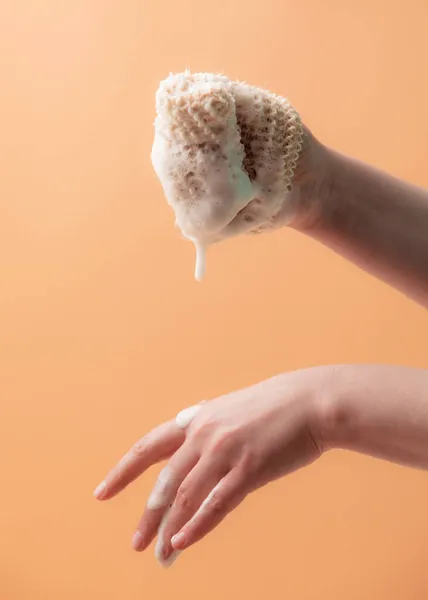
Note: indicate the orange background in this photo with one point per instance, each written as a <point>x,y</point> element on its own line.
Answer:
<point>104,332</point>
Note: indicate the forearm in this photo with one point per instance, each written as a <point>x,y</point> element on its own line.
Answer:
<point>380,411</point>
<point>377,221</point>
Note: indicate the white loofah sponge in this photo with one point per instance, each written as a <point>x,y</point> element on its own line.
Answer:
<point>225,154</point>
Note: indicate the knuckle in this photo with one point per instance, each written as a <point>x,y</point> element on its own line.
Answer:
<point>250,460</point>
<point>140,448</point>
<point>182,499</point>
<point>216,503</point>
<point>202,429</point>
<point>221,442</point>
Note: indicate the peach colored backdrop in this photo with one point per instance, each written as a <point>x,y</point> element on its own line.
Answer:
<point>104,333</point>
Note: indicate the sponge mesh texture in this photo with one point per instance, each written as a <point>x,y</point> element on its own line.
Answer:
<point>226,154</point>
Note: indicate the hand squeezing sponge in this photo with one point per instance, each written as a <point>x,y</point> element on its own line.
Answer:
<point>225,154</point>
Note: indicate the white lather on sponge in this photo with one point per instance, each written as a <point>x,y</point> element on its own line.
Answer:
<point>225,154</point>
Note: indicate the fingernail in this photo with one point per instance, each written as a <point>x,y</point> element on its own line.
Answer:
<point>166,552</point>
<point>100,490</point>
<point>161,555</point>
<point>178,541</point>
<point>137,541</point>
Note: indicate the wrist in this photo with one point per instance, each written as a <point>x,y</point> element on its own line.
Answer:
<point>319,400</point>
<point>315,184</point>
<point>333,409</point>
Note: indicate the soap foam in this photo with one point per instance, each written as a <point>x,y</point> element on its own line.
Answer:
<point>159,497</point>
<point>186,416</point>
<point>160,544</point>
<point>201,261</point>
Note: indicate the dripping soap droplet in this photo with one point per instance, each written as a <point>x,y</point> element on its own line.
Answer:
<point>201,261</point>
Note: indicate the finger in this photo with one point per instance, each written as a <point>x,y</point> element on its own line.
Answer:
<point>224,498</point>
<point>156,446</point>
<point>163,494</point>
<point>190,495</point>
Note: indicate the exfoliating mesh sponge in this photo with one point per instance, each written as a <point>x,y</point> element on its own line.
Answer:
<point>225,153</point>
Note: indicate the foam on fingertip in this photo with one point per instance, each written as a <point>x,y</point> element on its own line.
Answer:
<point>160,544</point>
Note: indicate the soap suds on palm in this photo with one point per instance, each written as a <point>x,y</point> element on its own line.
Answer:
<point>225,154</point>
